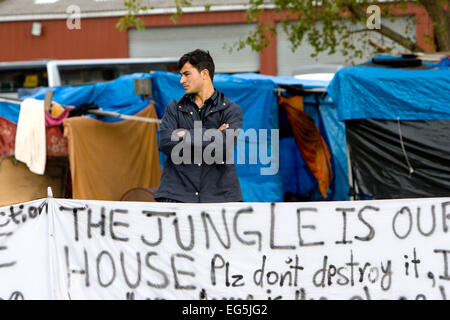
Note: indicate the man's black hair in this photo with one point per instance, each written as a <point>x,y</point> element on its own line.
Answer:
<point>199,59</point>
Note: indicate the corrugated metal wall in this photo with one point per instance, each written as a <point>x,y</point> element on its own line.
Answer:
<point>153,42</point>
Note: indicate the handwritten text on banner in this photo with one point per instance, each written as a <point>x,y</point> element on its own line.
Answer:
<point>72,249</point>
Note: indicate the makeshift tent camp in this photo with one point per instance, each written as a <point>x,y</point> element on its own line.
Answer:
<point>398,124</point>
<point>298,180</point>
<point>17,182</point>
<point>117,96</point>
<point>257,96</point>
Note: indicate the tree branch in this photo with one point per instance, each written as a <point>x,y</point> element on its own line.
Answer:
<point>386,31</point>
<point>381,49</point>
<point>441,23</point>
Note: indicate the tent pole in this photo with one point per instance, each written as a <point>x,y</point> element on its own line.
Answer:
<point>101,112</point>
<point>98,112</point>
<point>351,186</point>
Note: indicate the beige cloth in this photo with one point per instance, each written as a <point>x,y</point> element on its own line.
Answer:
<point>30,146</point>
<point>108,159</point>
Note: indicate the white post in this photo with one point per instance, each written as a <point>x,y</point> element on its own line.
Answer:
<point>49,192</point>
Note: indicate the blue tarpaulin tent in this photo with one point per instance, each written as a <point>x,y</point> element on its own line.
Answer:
<point>363,92</point>
<point>397,124</point>
<point>255,94</point>
<point>297,178</point>
<point>117,96</point>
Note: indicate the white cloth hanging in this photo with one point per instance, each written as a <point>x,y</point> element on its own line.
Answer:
<point>30,146</point>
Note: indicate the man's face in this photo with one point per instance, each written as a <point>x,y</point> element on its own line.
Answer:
<point>192,80</point>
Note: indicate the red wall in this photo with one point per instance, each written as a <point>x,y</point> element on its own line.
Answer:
<point>97,38</point>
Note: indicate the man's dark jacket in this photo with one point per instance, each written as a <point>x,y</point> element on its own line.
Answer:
<point>199,182</point>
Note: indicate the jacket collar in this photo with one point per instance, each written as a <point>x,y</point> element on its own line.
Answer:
<point>216,101</point>
<point>211,101</point>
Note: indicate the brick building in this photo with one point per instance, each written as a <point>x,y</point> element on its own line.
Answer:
<point>37,29</point>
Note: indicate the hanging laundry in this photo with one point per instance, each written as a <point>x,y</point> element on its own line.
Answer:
<point>7,136</point>
<point>108,159</point>
<point>55,142</point>
<point>57,114</point>
<point>307,136</point>
<point>82,109</point>
<point>30,146</point>
<point>56,109</point>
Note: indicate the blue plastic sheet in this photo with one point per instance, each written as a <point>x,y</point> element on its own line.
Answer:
<point>279,80</point>
<point>444,63</point>
<point>117,96</point>
<point>363,92</point>
<point>10,111</point>
<point>297,177</point>
<point>334,132</point>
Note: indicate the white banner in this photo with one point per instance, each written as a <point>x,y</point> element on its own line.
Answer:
<point>69,249</point>
<point>25,269</point>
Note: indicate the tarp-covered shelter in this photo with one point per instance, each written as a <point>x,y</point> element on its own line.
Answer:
<point>260,98</point>
<point>398,122</point>
<point>102,166</point>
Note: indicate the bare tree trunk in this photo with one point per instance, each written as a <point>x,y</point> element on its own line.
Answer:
<point>359,13</point>
<point>441,23</point>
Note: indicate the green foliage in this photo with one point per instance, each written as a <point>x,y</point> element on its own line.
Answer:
<point>131,19</point>
<point>322,25</point>
<point>135,7</point>
<point>256,39</point>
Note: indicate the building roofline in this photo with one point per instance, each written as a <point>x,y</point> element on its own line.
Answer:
<point>120,13</point>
